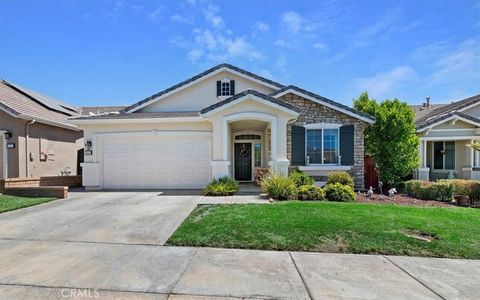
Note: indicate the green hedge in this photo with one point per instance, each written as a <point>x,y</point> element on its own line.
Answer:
<point>470,188</point>
<point>440,191</point>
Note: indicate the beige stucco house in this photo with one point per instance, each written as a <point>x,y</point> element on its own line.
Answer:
<point>225,121</point>
<point>35,138</point>
<point>445,131</point>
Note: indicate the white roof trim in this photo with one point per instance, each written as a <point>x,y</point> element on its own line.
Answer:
<point>454,117</point>
<point>137,120</point>
<point>469,106</point>
<point>322,126</point>
<point>251,97</point>
<point>199,80</point>
<point>347,112</point>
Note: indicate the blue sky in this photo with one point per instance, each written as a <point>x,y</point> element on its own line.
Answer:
<point>91,52</point>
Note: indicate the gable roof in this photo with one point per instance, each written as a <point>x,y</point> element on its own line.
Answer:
<point>45,100</point>
<point>248,93</point>
<point>324,101</point>
<point>26,104</point>
<point>452,115</point>
<point>211,71</point>
<point>421,110</point>
<point>446,111</point>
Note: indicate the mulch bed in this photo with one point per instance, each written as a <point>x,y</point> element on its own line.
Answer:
<point>400,200</point>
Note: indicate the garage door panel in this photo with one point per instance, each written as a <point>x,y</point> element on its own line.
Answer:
<point>152,163</point>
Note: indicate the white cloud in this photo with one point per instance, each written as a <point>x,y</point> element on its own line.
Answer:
<point>283,44</point>
<point>179,19</point>
<point>319,46</point>
<point>218,47</point>
<point>281,62</point>
<point>211,15</point>
<point>156,15</point>
<point>463,62</point>
<point>292,21</point>
<point>195,54</point>
<point>261,27</point>
<point>382,84</point>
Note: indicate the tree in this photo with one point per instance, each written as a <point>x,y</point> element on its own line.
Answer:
<point>475,145</point>
<point>391,141</point>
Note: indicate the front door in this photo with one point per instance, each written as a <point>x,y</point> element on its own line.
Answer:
<point>243,161</point>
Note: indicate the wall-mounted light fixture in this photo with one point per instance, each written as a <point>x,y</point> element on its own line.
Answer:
<point>8,135</point>
<point>88,144</point>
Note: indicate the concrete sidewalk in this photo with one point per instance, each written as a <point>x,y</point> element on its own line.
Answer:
<point>52,269</point>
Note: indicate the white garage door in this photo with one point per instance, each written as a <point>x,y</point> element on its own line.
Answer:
<point>157,161</point>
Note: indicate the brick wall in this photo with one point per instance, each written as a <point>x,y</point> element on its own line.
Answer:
<point>313,112</point>
<point>67,181</point>
<point>59,192</point>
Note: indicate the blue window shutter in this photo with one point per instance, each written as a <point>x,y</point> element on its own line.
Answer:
<point>347,144</point>
<point>298,145</point>
<point>232,87</point>
<point>219,88</point>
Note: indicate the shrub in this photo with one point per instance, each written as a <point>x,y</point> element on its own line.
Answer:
<point>224,186</point>
<point>310,192</point>
<point>278,186</point>
<point>440,191</point>
<point>412,187</point>
<point>339,192</point>
<point>470,188</point>
<point>301,178</point>
<point>340,177</point>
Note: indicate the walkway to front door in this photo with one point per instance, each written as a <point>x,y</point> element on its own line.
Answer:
<point>243,161</point>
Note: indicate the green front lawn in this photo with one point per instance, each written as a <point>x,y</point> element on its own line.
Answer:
<point>8,203</point>
<point>335,227</point>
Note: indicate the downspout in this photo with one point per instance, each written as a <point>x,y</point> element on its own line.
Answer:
<point>27,158</point>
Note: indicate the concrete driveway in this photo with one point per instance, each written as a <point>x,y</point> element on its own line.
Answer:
<point>127,217</point>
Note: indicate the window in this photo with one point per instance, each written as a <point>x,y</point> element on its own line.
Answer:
<point>330,146</point>
<point>323,146</point>
<point>225,89</point>
<point>248,137</point>
<point>444,155</point>
<point>258,155</point>
<point>314,146</point>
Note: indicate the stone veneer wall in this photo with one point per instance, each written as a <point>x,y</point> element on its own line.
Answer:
<point>313,112</point>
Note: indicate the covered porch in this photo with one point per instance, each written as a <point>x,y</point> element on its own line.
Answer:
<point>448,158</point>
<point>249,133</point>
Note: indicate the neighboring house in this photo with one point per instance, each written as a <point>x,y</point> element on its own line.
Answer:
<point>223,122</point>
<point>445,131</point>
<point>35,138</point>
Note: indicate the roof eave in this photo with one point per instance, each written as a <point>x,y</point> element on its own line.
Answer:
<point>295,90</point>
<point>81,121</point>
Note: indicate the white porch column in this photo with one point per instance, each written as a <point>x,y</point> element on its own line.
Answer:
<point>279,162</point>
<point>220,164</point>
<point>423,173</point>
<point>472,154</point>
